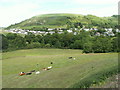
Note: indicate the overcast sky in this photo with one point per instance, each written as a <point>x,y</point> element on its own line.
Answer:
<point>14,11</point>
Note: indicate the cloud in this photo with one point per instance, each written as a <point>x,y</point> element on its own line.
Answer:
<point>14,11</point>
<point>98,2</point>
<point>101,12</point>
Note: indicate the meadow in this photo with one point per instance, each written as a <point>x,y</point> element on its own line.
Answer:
<point>65,72</point>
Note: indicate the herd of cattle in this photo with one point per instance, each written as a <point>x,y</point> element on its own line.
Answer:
<point>44,69</point>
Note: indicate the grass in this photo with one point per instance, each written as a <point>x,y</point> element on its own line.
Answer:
<point>64,74</point>
<point>41,26</point>
<point>111,82</point>
<point>60,20</point>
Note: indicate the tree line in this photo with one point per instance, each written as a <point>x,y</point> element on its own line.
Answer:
<point>85,40</point>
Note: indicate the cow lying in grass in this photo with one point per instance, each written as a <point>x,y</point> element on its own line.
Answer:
<point>23,73</point>
<point>71,58</point>
<point>48,68</point>
<point>45,69</point>
<point>36,72</point>
<point>32,71</point>
<point>51,63</point>
<point>28,73</point>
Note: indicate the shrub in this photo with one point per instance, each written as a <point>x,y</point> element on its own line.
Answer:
<point>34,45</point>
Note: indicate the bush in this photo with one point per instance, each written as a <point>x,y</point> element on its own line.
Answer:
<point>47,46</point>
<point>34,45</point>
<point>87,48</point>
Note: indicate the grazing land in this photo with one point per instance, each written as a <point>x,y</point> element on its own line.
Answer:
<point>65,72</point>
<point>111,82</point>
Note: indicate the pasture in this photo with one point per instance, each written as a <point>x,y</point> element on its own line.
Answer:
<point>65,72</point>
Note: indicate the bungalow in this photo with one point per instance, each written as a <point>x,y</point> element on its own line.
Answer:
<point>69,31</point>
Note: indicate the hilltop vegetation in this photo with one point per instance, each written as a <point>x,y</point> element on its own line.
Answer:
<point>42,22</point>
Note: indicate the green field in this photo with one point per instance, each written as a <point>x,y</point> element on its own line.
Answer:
<point>65,72</point>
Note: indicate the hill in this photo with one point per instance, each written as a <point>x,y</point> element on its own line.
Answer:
<point>64,20</point>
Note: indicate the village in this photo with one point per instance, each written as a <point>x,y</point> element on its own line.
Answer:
<point>109,31</point>
<point>22,31</point>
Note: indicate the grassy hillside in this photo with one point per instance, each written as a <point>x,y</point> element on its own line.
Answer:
<point>65,72</point>
<point>111,82</point>
<point>62,20</point>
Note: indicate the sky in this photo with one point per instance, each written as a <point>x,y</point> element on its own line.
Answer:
<point>15,11</point>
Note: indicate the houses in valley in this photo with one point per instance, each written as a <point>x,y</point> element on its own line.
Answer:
<point>108,31</point>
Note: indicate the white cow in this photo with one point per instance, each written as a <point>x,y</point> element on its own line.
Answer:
<point>49,67</point>
<point>38,72</point>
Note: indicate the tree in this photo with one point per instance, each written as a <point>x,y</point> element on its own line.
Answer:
<point>116,43</point>
<point>67,39</point>
<point>58,44</point>
<point>76,45</point>
<point>84,37</point>
<point>11,36</point>
<point>4,42</point>
<point>87,48</point>
<point>102,44</point>
<point>34,45</point>
<point>30,38</point>
<point>19,42</point>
